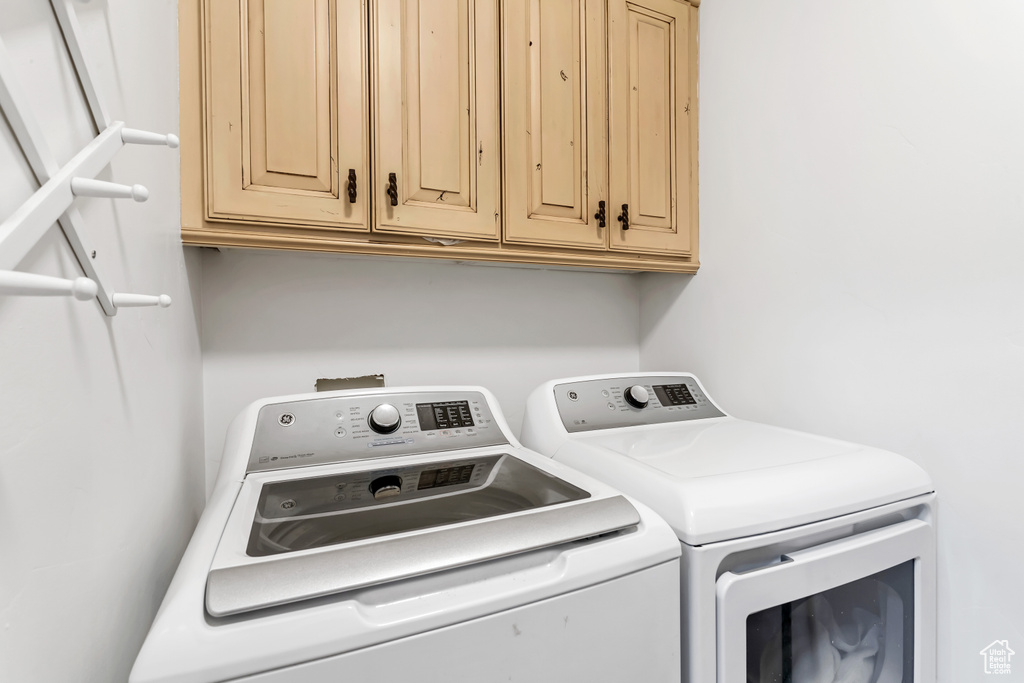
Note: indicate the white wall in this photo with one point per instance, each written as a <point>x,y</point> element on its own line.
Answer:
<point>101,478</point>
<point>862,229</point>
<point>275,322</point>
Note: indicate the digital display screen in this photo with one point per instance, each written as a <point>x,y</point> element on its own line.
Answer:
<point>446,476</point>
<point>674,395</point>
<point>446,415</point>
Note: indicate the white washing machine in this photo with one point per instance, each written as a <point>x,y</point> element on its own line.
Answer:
<point>805,559</point>
<point>405,535</point>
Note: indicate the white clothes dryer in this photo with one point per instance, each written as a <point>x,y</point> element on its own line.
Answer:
<point>804,558</point>
<point>405,535</point>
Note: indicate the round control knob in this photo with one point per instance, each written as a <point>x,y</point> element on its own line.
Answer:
<point>385,419</point>
<point>636,396</point>
<point>385,487</point>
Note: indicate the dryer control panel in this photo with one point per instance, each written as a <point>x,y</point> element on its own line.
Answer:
<point>629,401</point>
<point>331,429</point>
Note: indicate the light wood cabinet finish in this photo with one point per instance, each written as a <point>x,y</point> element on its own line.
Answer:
<point>286,115</point>
<point>504,145</point>
<point>436,117</point>
<point>555,121</point>
<point>650,133</point>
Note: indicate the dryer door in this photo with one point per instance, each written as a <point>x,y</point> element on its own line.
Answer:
<point>859,609</point>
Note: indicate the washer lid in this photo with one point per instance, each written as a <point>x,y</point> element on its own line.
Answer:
<point>723,478</point>
<point>320,531</point>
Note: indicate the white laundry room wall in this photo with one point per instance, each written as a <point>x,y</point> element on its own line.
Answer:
<point>101,466</point>
<point>862,229</point>
<point>274,322</point>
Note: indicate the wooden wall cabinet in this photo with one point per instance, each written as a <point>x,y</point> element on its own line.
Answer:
<point>286,93</point>
<point>555,122</point>
<point>366,126</point>
<point>652,126</point>
<point>597,111</point>
<point>435,109</point>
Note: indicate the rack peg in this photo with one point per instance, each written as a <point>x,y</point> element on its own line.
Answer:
<point>30,284</point>
<point>134,300</point>
<point>89,187</point>
<point>131,136</point>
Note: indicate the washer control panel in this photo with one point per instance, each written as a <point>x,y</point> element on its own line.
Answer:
<point>629,401</point>
<point>317,431</point>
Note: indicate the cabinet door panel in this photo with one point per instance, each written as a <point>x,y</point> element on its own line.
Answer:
<point>558,74</point>
<point>650,132</point>
<point>554,123</point>
<point>651,139</point>
<point>288,66</point>
<point>436,117</point>
<point>440,137</point>
<point>286,92</point>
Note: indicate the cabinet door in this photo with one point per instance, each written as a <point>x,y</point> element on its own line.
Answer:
<point>286,90</point>
<point>652,132</point>
<point>436,117</point>
<point>554,121</point>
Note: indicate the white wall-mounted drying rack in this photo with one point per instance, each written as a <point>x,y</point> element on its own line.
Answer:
<point>53,201</point>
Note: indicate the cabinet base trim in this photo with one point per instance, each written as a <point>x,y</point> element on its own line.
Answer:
<point>269,240</point>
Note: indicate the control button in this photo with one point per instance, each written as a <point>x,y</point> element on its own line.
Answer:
<point>604,392</point>
<point>340,432</point>
<point>611,406</point>
<point>386,442</point>
<point>385,419</point>
<point>388,486</point>
<point>636,396</point>
<point>340,415</point>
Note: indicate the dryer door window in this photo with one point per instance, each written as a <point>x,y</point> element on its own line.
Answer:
<point>860,632</point>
